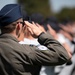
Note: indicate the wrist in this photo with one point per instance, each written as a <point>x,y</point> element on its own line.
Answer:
<point>40,34</point>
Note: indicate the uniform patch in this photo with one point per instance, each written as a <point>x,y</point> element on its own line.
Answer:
<point>40,47</point>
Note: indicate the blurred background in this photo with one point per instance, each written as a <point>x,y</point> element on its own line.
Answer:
<point>57,8</point>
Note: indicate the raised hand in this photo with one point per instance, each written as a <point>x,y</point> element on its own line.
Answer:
<point>33,28</point>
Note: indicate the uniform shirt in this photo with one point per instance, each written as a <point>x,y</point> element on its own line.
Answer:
<point>45,70</point>
<point>37,44</point>
<point>41,47</point>
<point>28,41</point>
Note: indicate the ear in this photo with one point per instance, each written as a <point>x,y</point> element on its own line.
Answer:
<point>18,27</point>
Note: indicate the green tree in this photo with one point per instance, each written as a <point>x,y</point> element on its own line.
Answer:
<point>66,12</point>
<point>33,6</point>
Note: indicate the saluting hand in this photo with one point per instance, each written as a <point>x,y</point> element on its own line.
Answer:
<point>34,29</point>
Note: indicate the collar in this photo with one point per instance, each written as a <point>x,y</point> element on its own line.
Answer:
<point>8,36</point>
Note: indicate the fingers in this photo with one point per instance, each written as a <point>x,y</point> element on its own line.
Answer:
<point>38,25</point>
<point>31,25</point>
<point>41,27</point>
<point>30,30</point>
<point>28,24</point>
<point>33,28</point>
<point>49,27</point>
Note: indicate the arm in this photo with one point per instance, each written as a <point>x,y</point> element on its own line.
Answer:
<point>60,39</point>
<point>54,55</point>
<point>57,53</point>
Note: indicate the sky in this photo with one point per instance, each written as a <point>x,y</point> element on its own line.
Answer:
<point>4,2</point>
<point>56,5</point>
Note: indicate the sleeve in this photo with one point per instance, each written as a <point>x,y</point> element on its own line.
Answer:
<point>55,54</point>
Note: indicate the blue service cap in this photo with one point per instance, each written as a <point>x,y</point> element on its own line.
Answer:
<point>37,18</point>
<point>10,13</point>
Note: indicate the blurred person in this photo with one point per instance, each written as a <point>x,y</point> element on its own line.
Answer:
<point>37,18</point>
<point>68,26</point>
<point>67,69</point>
<point>52,27</point>
<point>73,69</point>
<point>61,39</point>
<point>17,59</point>
<point>73,27</point>
<point>67,29</point>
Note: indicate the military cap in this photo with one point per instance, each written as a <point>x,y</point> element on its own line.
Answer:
<point>37,18</point>
<point>10,13</point>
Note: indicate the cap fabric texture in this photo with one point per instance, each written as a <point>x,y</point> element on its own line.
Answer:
<point>37,18</point>
<point>10,13</point>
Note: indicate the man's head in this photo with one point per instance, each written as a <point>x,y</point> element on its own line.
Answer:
<point>11,19</point>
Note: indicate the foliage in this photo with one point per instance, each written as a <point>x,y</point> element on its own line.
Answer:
<point>43,7</point>
<point>66,12</point>
<point>33,6</point>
